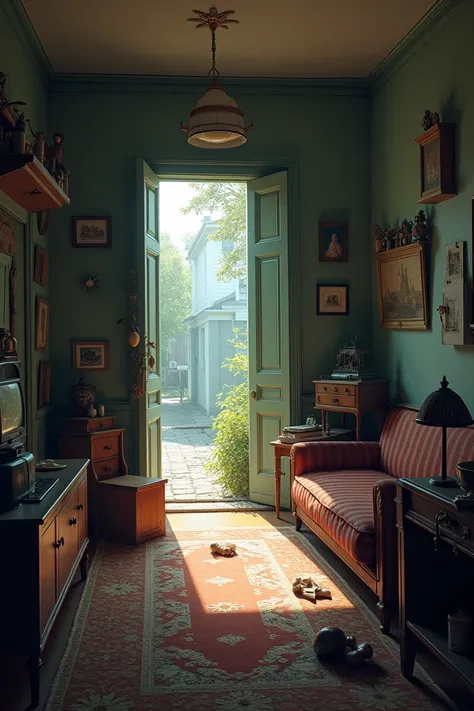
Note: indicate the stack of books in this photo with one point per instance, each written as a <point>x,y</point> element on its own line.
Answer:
<point>300,433</point>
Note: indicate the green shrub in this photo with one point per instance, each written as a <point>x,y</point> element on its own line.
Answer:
<point>230,457</point>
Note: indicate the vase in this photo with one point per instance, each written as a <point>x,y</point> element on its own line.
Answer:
<point>82,396</point>
<point>378,246</point>
<point>389,243</point>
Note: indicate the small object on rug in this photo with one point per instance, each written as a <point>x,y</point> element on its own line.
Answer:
<point>225,549</point>
<point>305,586</point>
<point>333,645</point>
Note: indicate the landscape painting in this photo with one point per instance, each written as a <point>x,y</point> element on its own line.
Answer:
<point>402,288</point>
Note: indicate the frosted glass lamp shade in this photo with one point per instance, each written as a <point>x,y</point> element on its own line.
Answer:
<point>216,122</point>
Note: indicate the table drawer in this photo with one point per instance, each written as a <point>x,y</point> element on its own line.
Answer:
<point>339,389</point>
<point>106,468</point>
<point>335,400</point>
<point>97,424</point>
<point>106,447</point>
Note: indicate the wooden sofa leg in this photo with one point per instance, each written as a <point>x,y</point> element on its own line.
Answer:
<point>385,616</point>
<point>298,522</point>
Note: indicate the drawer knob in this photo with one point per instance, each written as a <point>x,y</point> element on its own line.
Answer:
<point>72,521</point>
<point>108,469</point>
<point>346,390</point>
<point>80,507</point>
<point>319,398</point>
<point>324,388</point>
<point>101,424</point>
<point>107,446</point>
<point>335,400</point>
<point>335,390</point>
<point>59,542</point>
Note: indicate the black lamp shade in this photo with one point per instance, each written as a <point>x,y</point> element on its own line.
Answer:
<point>444,408</point>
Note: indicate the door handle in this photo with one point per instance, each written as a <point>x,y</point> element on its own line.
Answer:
<point>253,394</point>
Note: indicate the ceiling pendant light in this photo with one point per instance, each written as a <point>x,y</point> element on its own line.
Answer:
<point>216,122</point>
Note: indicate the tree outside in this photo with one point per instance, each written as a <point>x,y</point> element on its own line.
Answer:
<point>175,293</point>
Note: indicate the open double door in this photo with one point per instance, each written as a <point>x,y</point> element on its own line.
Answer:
<point>268,324</point>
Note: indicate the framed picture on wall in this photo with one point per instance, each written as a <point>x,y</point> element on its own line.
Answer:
<point>91,231</point>
<point>44,384</point>
<point>90,355</point>
<point>332,299</point>
<point>41,265</point>
<point>42,324</point>
<point>333,242</point>
<point>401,277</point>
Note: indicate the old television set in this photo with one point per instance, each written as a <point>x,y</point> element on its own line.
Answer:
<point>17,467</point>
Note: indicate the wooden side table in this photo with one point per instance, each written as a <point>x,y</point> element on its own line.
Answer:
<point>283,450</point>
<point>351,396</point>
<point>132,508</point>
<point>436,571</point>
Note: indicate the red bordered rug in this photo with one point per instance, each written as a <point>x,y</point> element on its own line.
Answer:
<point>169,626</point>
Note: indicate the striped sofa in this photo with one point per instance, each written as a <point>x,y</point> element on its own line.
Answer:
<point>344,492</point>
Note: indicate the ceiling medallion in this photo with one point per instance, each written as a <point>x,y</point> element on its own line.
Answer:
<point>216,122</point>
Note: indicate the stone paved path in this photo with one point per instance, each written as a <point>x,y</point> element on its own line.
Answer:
<point>187,444</point>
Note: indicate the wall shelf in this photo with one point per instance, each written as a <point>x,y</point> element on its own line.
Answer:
<point>26,181</point>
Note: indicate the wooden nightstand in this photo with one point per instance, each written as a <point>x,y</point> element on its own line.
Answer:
<point>96,439</point>
<point>351,397</point>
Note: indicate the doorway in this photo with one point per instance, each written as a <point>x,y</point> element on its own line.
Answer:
<point>272,394</point>
<point>203,338</point>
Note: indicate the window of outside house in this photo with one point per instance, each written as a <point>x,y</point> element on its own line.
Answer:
<point>227,245</point>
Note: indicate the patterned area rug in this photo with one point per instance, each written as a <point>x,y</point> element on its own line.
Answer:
<point>169,626</point>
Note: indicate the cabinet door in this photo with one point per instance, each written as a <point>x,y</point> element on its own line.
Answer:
<point>81,513</point>
<point>47,571</point>
<point>66,529</point>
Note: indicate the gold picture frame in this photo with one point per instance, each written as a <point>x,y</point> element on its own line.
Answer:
<point>42,324</point>
<point>402,291</point>
<point>90,355</point>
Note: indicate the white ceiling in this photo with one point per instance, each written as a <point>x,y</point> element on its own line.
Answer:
<point>296,38</point>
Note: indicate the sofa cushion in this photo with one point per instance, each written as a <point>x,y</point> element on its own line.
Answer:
<point>341,503</point>
<point>411,450</point>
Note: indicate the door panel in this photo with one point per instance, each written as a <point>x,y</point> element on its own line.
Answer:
<point>269,359</point>
<point>66,530</point>
<point>148,271</point>
<point>47,563</point>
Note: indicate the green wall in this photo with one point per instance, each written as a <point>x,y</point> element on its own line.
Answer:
<point>326,137</point>
<point>438,77</point>
<point>26,82</point>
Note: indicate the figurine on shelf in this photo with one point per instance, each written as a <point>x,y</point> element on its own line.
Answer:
<point>389,237</point>
<point>19,135</point>
<point>379,239</point>
<point>420,229</point>
<point>55,155</point>
<point>429,119</point>
<point>407,226</point>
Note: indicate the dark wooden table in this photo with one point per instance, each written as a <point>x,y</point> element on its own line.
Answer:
<point>283,450</point>
<point>436,572</point>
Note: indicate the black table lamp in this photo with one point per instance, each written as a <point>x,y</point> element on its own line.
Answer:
<point>444,408</point>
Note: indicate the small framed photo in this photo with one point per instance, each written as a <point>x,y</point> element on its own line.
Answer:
<point>333,242</point>
<point>41,265</point>
<point>44,384</point>
<point>42,324</point>
<point>91,231</point>
<point>332,299</point>
<point>90,355</point>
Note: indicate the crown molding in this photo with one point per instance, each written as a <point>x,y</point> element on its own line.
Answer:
<point>429,24</point>
<point>135,83</point>
<point>21,23</point>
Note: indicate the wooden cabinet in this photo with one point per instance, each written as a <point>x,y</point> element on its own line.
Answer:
<point>354,397</point>
<point>41,547</point>
<point>97,439</point>
<point>435,555</point>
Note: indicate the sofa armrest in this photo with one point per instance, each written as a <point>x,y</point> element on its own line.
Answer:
<point>386,547</point>
<point>326,456</point>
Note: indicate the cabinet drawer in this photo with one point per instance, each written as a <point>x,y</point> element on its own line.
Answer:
<point>335,400</point>
<point>97,424</point>
<point>106,468</point>
<point>339,389</point>
<point>105,447</point>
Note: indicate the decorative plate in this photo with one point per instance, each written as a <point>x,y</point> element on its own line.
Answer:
<point>49,465</point>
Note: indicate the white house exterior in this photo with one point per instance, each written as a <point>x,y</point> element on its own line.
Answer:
<point>217,309</point>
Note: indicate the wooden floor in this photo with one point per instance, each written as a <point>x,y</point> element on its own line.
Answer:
<point>14,690</point>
